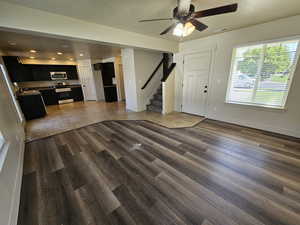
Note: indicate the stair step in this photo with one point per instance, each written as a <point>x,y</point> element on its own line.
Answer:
<point>153,108</point>
<point>157,102</point>
<point>157,97</point>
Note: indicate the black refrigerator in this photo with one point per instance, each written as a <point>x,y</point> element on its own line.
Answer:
<point>108,77</point>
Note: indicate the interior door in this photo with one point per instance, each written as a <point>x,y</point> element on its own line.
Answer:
<point>87,82</point>
<point>195,82</point>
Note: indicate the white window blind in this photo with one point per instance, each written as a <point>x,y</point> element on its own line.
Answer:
<point>3,150</point>
<point>2,141</point>
<point>261,74</point>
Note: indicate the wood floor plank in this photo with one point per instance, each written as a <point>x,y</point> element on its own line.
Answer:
<point>140,173</point>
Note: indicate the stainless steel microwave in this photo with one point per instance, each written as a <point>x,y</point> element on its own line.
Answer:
<point>58,75</point>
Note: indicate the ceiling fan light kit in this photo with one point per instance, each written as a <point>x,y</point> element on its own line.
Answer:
<point>183,30</point>
<point>186,18</point>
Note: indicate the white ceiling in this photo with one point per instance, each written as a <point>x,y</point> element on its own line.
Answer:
<point>20,44</point>
<point>124,14</point>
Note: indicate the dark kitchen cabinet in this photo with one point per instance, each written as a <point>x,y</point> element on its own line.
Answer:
<point>108,72</point>
<point>32,106</point>
<point>49,96</point>
<point>110,93</point>
<point>19,72</point>
<point>16,70</point>
<point>42,72</point>
<point>77,94</point>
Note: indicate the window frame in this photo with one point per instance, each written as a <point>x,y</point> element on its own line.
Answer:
<point>283,107</point>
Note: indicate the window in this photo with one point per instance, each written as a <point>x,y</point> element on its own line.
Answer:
<point>2,141</point>
<point>261,74</point>
<point>3,150</point>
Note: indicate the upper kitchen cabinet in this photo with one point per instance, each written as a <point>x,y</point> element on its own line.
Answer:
<point>19,72</point>
<point>42,72</point>
<point>16,70</point>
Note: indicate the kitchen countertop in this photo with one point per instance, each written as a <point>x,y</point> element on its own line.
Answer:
<point>32,92</point>
<point>53,87</point>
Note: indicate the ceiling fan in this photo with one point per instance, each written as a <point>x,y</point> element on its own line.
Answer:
<point>186,18</point>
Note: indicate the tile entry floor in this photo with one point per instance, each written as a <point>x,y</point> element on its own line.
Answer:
<point>70,116</point>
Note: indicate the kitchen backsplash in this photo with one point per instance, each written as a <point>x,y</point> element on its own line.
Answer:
<point>30,84</point>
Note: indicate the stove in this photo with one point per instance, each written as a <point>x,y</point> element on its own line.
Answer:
<point>64,95</point>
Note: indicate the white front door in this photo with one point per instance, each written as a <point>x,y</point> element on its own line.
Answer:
<point>87,82</point>
<point>195,82</point>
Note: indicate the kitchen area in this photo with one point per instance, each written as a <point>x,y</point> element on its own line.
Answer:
<point>38,86</point>
<point>59,84</point>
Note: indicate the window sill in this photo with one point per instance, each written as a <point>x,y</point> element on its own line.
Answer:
<point>261,107</point>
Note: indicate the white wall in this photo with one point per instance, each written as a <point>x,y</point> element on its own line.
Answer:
<point>145,63</point>
<point>19,17</point>
<point>168,94</point>
<point>130,83</point>
<point>137,68</point>
<point>281,121</point>
<point>11,173</point>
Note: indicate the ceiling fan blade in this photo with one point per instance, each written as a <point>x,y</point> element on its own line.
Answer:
<point>216,11</point>
<point>168,29</point>
<point>198,25</point>
<point>161,19</point>
<point>183,7</point>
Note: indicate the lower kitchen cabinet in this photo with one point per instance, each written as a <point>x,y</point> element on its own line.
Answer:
<point>32,105</point>
<point>49,96</point>
<point>77,94</point>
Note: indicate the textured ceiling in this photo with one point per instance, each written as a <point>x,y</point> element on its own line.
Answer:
<point>124,14</point>
<point>19,44</point>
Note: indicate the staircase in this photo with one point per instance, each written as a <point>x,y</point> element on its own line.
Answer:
<point>156,102</point>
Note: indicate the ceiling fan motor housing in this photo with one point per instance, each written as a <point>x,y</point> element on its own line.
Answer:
<point>185,17</point>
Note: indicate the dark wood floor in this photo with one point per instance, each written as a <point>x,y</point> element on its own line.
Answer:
<point>137,172</point>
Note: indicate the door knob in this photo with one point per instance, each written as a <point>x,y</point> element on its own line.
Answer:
<point>205,86</point>
<point>205,91</point>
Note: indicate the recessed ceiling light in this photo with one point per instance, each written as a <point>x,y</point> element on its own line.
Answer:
<point>12,43</point>
<point>59,53</point>
<point>53,58</point>
<point>32,57</point>
<point>32,51</point>
<point>71,59</point>
<point>81,54</point>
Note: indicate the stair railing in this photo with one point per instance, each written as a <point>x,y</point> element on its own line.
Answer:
<point>166,70</point>
<point>152,75</point>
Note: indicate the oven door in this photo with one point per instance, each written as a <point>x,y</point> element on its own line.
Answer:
<point>64,95</point>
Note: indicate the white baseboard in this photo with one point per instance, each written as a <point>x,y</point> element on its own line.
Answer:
<point>259,126</point>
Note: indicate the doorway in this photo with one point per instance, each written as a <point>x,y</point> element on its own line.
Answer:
<point>195,82</point>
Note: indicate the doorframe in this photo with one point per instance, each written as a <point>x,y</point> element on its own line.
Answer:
<point>212,51</point>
